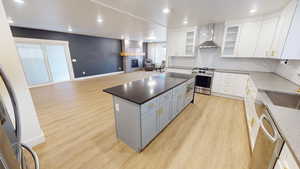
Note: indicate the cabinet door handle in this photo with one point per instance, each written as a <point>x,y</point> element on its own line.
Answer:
<point>33,154</point>
<point>273,53</point>
<point>272,138</point>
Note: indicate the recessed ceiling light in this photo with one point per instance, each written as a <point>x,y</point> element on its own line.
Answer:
<point>166,10</point>
<point>185,22</point>
<point>19,1</point>
<point>70,29</point>
<point>253,10</point>
<point>99,20</point>
<point>9,20</point>
<point>151,38</point>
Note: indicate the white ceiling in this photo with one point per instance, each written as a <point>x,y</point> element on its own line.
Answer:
<point>134,19</point>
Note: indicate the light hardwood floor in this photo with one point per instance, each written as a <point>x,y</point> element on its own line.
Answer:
<point>78,122</point>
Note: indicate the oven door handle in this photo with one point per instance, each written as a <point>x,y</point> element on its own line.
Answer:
<point>272,138</point>
<point>33,154</point>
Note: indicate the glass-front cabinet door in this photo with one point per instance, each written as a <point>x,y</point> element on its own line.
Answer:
<point>230,40</point>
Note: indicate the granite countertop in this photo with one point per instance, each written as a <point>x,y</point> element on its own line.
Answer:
<point>181,67</point>
<point>141,91</point>
<point>236,71</point>
<point>273,82</point>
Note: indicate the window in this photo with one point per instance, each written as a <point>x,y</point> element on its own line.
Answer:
<point>157,52</point>
<point>44,61</point>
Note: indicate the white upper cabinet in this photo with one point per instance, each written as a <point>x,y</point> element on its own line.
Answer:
<point>181,42</point>
<point>230,40</point>
<point>283,27</point>
<point>248,38</point>
<point>291,48</point>
<point>271,36</point>
<point>266,37</point>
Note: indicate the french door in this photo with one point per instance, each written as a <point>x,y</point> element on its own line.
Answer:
<point>44,62</point>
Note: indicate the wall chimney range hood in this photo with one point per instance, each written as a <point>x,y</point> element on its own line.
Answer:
<point>209,43</point>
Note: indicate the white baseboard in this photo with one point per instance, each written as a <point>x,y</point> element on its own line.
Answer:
<point>101,75</point>
<point>35,141</point>
<point>227,96</point>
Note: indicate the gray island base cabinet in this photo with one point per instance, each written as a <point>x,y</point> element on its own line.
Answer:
<point>138,124</point>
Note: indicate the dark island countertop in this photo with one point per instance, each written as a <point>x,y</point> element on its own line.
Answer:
<point>141,91</point>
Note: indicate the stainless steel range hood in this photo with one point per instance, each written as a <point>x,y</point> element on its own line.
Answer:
<point>210,43</point>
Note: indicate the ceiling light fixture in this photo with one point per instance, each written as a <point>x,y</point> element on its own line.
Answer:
<point>166,10</point>
<point>19,1</point>
<point>9,20</point>
<point>70,29</point>
<point>99,20</point>
<point>253,10</point>
<point>185,22</point>
<point>151,38</point>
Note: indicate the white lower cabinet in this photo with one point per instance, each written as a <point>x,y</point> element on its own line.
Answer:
<point>251,115</point>
<point>231,84</point>
<point>286,159</point>
<point>278,165</point>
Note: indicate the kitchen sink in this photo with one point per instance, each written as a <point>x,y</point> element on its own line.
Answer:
<point>284,99</point>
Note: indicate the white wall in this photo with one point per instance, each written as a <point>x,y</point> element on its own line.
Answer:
<point>211,57</point>
<point>31,131</point>
<point>290,71</point>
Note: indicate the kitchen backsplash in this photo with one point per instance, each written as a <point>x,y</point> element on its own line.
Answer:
<point>211,57</point>
<point>289,71</point>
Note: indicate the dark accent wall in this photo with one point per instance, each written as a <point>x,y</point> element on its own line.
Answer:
<point>94,55</point>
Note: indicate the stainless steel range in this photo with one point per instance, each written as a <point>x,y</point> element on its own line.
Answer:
<point>204,79</point>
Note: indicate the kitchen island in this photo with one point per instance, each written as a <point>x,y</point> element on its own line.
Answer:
<point>143,108</point>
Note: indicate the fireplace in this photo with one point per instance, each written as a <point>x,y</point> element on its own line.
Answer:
<point>132,53</point>
<point>134,63</point>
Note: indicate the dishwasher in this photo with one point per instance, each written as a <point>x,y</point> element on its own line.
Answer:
<point>269,141</point>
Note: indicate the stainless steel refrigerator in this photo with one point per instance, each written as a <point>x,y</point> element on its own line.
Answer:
<point>13,154</point>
